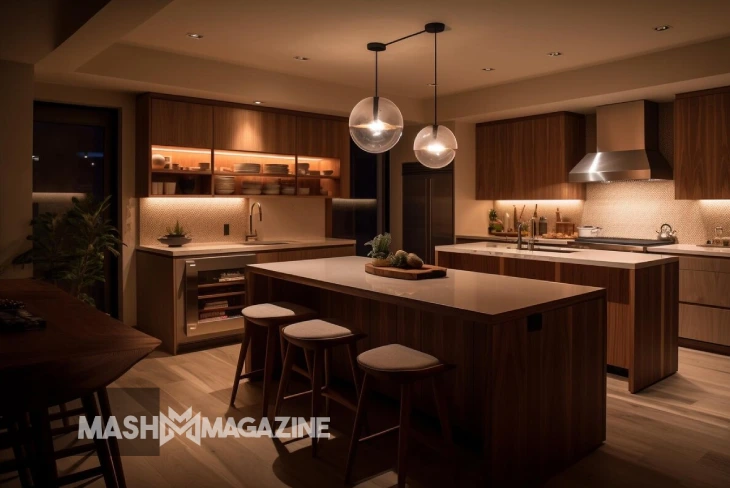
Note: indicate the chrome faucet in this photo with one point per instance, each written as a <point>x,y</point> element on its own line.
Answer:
<point>253,235</point>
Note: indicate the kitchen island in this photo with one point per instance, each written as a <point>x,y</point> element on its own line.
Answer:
<point>643,296</point>
<point>530,361</point>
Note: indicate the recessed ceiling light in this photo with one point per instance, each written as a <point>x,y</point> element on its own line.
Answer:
<point>257,102</point>
<point>555,54</point>
<point>301,58</point>
<point>661,28</point>
<point>487,69</point>
<point>193,35</point>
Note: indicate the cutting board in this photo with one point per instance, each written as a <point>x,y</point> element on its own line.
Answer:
<point>425,273</point>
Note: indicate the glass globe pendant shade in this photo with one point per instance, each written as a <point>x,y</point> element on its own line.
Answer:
<point>435,146</point>
<point>376,124</point>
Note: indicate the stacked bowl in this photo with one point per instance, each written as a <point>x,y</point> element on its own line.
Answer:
<point>225,185</point>
<point>272,188</point>
<point>250,188</point>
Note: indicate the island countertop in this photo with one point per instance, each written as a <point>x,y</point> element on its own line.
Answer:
<point>692,250</point>
<point>484,297</point>
<point>589,257</point>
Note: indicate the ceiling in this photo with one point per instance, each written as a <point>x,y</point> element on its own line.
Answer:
<point>511,36</point>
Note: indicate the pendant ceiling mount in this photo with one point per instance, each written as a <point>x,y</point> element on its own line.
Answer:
<point>376,123</point>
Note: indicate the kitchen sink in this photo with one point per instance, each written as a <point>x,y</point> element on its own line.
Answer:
<point>548,249</point>
<point>264,243</point>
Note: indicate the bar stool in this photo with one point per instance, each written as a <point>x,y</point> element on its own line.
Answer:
<point>271,316</point>
<point>319,337</point>
<point>404,366</point>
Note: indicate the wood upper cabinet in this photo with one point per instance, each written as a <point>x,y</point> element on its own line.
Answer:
<point>530,157</point>
<point>323,137</point>
<point>702,145</point>
<point>253,130</point>
<point>174,123</point>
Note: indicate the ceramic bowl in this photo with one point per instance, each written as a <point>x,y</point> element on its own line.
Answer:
<point>175,241</point>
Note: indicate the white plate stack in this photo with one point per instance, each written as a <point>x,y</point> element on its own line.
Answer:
<point>249,168</point>
<point>225,185</point>
<point>251,188</point>
<point>288,190</point>
<point>272,188</point>
<point>276,169</point>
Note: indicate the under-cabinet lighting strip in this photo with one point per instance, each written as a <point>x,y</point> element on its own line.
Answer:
<point>238,154</point>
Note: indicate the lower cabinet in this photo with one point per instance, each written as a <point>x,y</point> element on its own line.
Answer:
<point>704,295</point>
<point>162,291</point>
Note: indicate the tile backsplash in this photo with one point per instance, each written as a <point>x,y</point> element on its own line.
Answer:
<point>203,218</point>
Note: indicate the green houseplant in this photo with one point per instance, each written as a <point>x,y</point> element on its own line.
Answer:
<point>69,249</point>
<point>176,236</point>
<point>380,249</point>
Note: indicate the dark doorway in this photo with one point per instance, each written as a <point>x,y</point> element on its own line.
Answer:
<point>75,152</point>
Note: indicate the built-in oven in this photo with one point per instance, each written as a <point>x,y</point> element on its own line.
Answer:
<point>215,293</point>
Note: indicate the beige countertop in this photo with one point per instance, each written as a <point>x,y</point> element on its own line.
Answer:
<point>692,250</point>
<point>589,257</point>
<point>213,248</point>
<point>480,296</point>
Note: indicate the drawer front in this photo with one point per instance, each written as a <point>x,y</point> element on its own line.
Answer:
<point>719,265</point>
<point>705,324</point>
<point>704,288</point>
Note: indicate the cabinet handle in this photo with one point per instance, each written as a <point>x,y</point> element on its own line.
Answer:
<point>534,322</point>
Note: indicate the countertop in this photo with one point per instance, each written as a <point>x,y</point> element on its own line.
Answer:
<point>589,257</point>
<point>692,250</point>
<point>482,296</point>
<point>541,240</point>
<point>213,248</point>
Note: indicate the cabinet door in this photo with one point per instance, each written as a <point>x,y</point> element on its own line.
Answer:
<point>328,138</point>
<point>181,124</point>
<point>415,214</point>
<point>252,130</point>
<point>702,147</point>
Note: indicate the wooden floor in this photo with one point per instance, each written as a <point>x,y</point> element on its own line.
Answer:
<point>675,433</point>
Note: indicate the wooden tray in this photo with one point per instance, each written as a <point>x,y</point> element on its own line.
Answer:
<point>425,273</point>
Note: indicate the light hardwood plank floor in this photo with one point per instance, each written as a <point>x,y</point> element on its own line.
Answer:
<point>673,434</point>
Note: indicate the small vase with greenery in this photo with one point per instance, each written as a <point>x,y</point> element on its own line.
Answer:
<point>380,250</point>
<point>176,236</point>
<point>69,249</point>
<point>495,225</point>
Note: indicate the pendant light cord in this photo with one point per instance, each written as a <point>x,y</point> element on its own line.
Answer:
<point>376,73</point>
<point>435,82</point>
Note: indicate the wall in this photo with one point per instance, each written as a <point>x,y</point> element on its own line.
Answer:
<point>283,218</point>
<point>125,102</point>
<point>470,214</point>
<point>16,148</point>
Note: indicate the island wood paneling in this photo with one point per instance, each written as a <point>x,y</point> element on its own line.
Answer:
<point>702,145</point>
<point>182,124</point>
<point>535,398</point>
<point>529,157</point>
<point>253,130</point>
<point>642,320</point>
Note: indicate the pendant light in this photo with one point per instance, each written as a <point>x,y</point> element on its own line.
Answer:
<point>435,145</point>
<point>376,123</point>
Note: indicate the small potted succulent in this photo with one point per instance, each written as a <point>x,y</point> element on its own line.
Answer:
<point>380,250</point>
<point>495,225</point>
<point>175,236</point>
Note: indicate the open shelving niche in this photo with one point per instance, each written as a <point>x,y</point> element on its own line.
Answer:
<point>305,175</point>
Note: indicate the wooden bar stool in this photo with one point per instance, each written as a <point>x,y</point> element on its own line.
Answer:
<point>271,316</point>
<point>319,337</point>
<point>404,366</point>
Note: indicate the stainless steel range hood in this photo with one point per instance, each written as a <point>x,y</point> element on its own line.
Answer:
<point>628,146</point>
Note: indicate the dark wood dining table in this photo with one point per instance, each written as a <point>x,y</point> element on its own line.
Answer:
<point>77,355</point>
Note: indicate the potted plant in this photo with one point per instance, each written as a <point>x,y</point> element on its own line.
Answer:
<point>495,225</point>
<point>380,250</point>
<point>176,236</point>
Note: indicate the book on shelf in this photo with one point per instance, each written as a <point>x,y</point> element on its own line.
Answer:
<point>216,304</point>
<point>214,314</point>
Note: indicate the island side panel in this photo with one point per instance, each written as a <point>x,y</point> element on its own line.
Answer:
<point>656,330</point>
<point>545,398</point>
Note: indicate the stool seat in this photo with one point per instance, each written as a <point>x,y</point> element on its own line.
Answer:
<point>277,311</point>
<point>395,357</point>
<point>315,329</point>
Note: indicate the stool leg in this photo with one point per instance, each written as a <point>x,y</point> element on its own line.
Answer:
<point>19,448</point>
<point>327,366</point>
<point>102,447</point>
<point>284,381</point>
<point>352,354</point>
<point>356,428</point>
<point>403,432</point>
<point>64,411</point>
<point>268,369</point>
<point>316,396</point>
<point>106,413</point>
<point>241,358</point>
